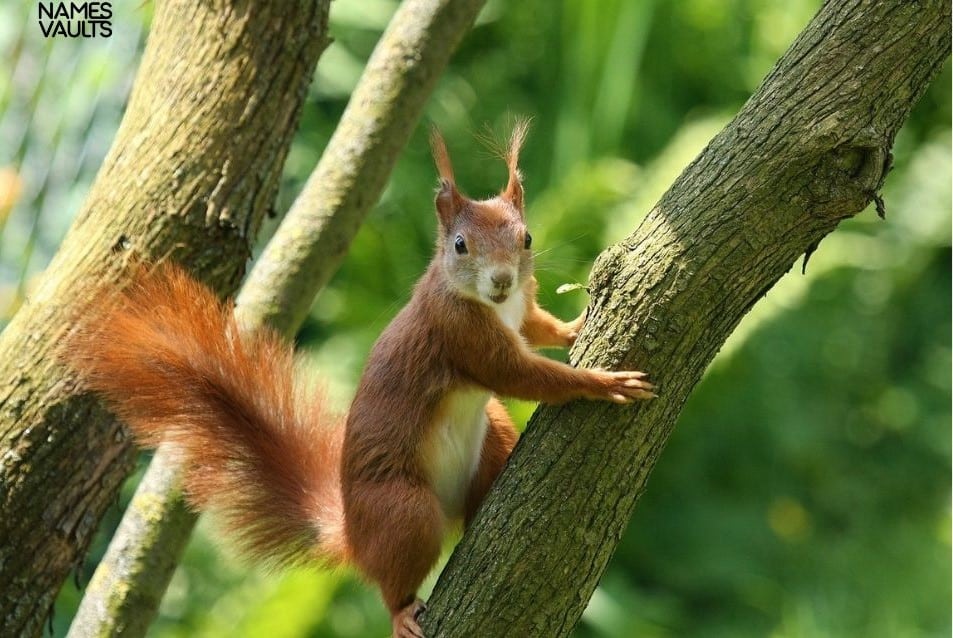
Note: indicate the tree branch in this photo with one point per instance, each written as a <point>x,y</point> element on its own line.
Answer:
<point>809,149</point>
<point>353,169</point>
<point>124,593</point>
<point>192,170</point>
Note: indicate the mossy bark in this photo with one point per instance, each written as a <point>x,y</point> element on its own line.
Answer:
<point>810,148</point>
<point>192,170</point>
<point>114,604</point>
<point>125,591</point>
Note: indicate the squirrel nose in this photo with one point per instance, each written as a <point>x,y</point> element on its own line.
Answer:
<point>502,278</point>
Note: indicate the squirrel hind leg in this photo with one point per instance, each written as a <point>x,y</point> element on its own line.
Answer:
<point>394,532</point>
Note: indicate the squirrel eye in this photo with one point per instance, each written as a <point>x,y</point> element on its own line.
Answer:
<point>460,246</point>
<point>528,241</point>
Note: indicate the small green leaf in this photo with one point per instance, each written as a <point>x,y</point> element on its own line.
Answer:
<point>563,289</point>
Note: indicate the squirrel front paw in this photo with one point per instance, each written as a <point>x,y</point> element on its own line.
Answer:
<point>571,329</point>
<point>624,386</point>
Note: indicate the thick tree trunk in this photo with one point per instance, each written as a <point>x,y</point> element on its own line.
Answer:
<point>811,147</point>
<point>124,593</point>
<point>193,168</point>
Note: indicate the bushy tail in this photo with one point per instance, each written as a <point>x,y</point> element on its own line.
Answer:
<point>171,362</point>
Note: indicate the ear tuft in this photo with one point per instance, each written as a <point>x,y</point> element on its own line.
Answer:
<point>514,186</point>
<point>448,201</point>
<point>441,157</point>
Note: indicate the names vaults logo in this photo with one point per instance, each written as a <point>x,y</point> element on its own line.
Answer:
<point>76,19</point>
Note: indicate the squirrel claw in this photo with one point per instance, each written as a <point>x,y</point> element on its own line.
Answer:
<point>639,383</point>
<point>404,622</point>
<point>626,386</point>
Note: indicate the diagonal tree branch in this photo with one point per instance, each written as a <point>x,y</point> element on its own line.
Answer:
<point>354,167</point>
<point>192,170</point>
<point>125,591</point>
<point>810,148</point>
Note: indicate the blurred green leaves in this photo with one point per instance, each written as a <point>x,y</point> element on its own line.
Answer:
<point>60,103</point>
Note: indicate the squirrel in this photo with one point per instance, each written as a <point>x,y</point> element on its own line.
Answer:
<point>425,435</point>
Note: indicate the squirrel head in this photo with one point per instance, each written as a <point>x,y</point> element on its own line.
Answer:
<point>483,245</point>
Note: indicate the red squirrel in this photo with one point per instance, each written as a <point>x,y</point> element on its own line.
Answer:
<point>425,435</point>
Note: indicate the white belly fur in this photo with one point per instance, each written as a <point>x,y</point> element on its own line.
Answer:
<point>458,436</point>
<point>457,444</point>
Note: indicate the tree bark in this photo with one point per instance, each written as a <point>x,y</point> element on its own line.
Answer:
<point>124,594</point>
<point>354,168</point>
<point>194,167</point>
<point>810,148</point>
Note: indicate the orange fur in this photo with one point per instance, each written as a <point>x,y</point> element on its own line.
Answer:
<point>170,361</point>
<point>448,200</point>
<point>543,330</point>
<point>514,185</point>
<point>440,156</point>
<point>291,480</point>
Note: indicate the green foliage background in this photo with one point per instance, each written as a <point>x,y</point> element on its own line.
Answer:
<point>805,491</point>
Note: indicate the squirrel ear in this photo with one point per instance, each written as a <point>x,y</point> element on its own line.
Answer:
<point>514,187</point>
<point>449,201</point>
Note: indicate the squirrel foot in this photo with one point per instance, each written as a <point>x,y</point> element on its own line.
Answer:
<point>404,622</point>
